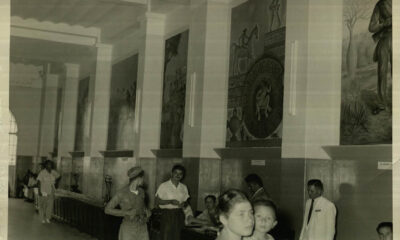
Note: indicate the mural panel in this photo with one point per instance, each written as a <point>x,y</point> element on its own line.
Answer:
<point>255,95</point>
<point>366,107</point>
<point>174,91</point>
<point>82,116</point>
<point>122,104</point>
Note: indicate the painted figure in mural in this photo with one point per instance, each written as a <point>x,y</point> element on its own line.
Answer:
<point>235,126</point>
<point>263,100</point>
<point>244,49</point>
<point>132,208</point>
<point>275,18</point>
<point>381,25</point>
<point>125,125</point>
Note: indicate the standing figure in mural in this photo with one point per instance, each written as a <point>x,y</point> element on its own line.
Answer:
<point>235,126</point>
<point>262,100</point>
<point>133,208</point>
<point>46,189</point>
<point>244,49</point>
<point>381,25</point>
<point>275,18</point>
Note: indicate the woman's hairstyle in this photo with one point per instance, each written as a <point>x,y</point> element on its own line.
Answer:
<point>179,167</point>
<point>265,203</point>
<point>228,199</point>
<point>136,177</point>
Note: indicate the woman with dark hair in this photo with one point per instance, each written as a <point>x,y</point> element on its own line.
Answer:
<point>171,197</point>
<point>46,189</point>
<point>133,208</point>
<point>235,214</point>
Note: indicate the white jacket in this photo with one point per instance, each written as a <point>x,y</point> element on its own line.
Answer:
<point>322,221</point>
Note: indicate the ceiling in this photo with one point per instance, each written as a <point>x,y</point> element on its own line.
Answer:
<point>114,18</point>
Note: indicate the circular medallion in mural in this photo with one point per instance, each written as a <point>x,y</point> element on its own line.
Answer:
<point>264,98</point>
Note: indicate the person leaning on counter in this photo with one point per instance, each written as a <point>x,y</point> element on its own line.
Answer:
<point>171,197</point>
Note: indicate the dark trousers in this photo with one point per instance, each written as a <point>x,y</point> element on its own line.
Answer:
<point>172,222</point>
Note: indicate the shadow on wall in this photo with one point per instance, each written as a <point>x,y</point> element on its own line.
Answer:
<point>347,213</point>
<point>360,208</point>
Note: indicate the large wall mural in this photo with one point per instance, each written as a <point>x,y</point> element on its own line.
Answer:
<point>82,116</point>
<point>255,95</point>
<point>174,91</point>
<point>122,104</point>
<point>366,108</point>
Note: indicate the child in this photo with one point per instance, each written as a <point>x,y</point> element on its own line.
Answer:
<point>385,230</point>
<point>235,214</point>
<point>265,219</point>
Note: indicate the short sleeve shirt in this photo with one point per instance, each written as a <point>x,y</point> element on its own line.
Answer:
<point>47,181</point>
<point>168,191</point>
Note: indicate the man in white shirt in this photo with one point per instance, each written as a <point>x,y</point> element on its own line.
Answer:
<point>319,214</point>
<point>171,197</point>
<point>46,186</point>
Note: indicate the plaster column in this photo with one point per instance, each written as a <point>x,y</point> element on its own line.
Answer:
<point>311,116</point>
<point>207,95</point>
<point>4,111</point>
<point>149,95</point>
<point>68,122</point>
<point>99,95</point>
<point>49,115</point>
<point>312,78</point>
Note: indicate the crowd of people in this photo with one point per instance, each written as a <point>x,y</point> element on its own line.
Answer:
<point>40,189</point>
<point>233,214</point>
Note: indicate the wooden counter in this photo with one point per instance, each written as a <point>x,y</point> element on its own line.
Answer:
<point>197,234</point>
<point>86,215</point>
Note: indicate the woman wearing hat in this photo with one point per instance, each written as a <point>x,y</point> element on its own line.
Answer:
<point>133,209</point>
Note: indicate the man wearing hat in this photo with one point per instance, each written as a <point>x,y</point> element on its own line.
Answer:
<point>133,208</point>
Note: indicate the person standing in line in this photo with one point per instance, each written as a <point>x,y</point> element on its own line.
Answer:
<point>171,197</point>
<point>46,190</point>
<point>319,215</point>
<point>256,188</point>
<point>133,208</point>
<point>385,231</point>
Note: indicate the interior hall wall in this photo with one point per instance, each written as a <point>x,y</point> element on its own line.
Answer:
<point>117,168</point>
<point>291,202</point>
<point>361,192</point>
<point>25,105</point>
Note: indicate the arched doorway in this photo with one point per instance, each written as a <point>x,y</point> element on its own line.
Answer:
<point>12,154</point>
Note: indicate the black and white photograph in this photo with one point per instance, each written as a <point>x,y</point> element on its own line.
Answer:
<point>199,120</point>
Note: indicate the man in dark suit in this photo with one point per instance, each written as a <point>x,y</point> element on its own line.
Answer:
<point>256,188</point>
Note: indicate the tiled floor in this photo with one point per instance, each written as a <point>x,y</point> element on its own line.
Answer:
<point>24,223</point>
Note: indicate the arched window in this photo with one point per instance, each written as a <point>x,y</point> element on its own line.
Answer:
<point>12,140</point>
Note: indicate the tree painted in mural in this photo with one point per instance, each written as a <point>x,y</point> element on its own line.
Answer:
<point>366,115</point>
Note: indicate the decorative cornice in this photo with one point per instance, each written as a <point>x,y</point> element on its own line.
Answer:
<point>347,152</point>
<point>249,153</point>
<point>57,32</point>
<point>167,153</point>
